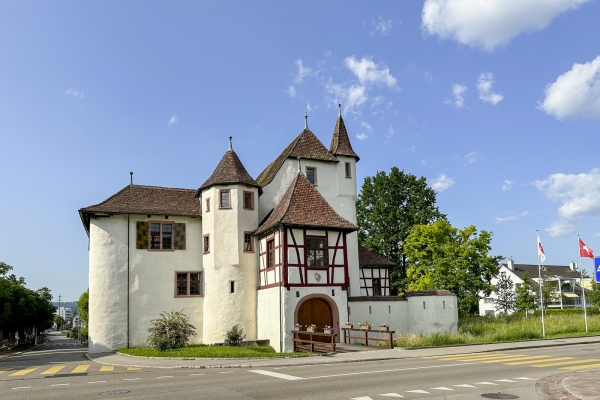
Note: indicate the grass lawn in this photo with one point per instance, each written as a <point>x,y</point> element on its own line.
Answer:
<point>205,351</point>
<point>480,330</point>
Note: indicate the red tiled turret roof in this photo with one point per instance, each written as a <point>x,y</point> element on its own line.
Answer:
<point>229,171</point>
<point>340,142</point>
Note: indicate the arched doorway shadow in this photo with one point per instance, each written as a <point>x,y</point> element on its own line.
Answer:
<point>318,309</point>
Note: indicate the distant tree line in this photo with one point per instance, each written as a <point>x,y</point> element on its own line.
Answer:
<point>23,311</point>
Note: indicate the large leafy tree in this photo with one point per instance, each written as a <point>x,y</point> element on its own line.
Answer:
<point>441,256</point>
<point>505,294</point>
<point>593,296</point>
<point>388,206</point>
<point>526,297</point>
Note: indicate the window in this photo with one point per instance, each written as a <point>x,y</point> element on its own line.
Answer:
<point>224,199</point>
<point>311,175</point>
<point>376,287</point>
<point>248,242</point>
<point>231,286</point>
<point>316,252</point>
<point>161,236</point>
<point>270,253</point>
<point>208,205</point>
<point>423,305</point>
<point>248,200</point>
<point>188,284</point>
<point>206,243</point>
<point>348,170</point>
<point>489,312</point>
<point>488,300</point>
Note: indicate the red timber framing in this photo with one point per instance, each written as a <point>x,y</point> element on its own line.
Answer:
<point>269,247</point>
<point>369,276</point>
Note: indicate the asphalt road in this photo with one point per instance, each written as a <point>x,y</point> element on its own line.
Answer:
<point>62,372</point>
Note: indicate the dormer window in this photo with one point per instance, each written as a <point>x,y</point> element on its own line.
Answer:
<point>311,175</point>
<point>316,252</point>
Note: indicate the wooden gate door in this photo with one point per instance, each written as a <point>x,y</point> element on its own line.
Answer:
<point>318,312</point>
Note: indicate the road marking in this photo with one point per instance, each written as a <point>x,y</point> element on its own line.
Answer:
<point>52,370</point>
<point>107,368</point>
<point>582,367</point>
<point>22,387</point>
<point>24,371</point>
<point>553,364</point>
<point>515,357</point>
<point>133,369</point>
<point>387,370</point>
<point>225,372</point>
<point>462,355</point>
<point>539,361</point>
<point>418,391</point>
<point>196,374</point>
<point>464,385</point>
<point>441,388</point>
<point>361,398</point>
<point>131,379</point>
<point>391,395</point>
<point>276,375</point>
<point>505,380</point>
<point>61,384</point>
<point>98,382</point>
<point>487,383</point>
<point>280,368</point>
<point>4,370</point>
<point>166,376</point>
<point>80,369</point>
<point>525,378</point>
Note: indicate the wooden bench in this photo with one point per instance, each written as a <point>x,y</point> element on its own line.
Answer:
<point>365,336</point>
<point>311,345</point>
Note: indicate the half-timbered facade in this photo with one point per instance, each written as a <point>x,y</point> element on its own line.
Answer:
<point>266,254</point>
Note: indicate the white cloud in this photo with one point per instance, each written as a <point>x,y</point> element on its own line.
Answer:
<point>291,91</point>
<point>579,195</point>
<point>441,183</point>
<point>381,26</point>
<point>75,92</point>
<point>484,87</point>
<point>489,23</point>
<point>509,218</point>
<point>173,120</point>
<point>507,185</point>
<point>576,93</point>
<point>377,101</point>
<point>361,136</point>
<point>428,76</point>
<point>368,72</point>
<point>391,132</point>
<point>473,156</point>
<point>366,125</point>
<point>459,92</point>
<point>302,71</point>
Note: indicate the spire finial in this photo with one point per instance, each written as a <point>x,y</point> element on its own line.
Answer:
<point>305,116</point>
<point>340,107</point>
<point>299,169</point>
<point>230,143</point>
<point>131,178</point>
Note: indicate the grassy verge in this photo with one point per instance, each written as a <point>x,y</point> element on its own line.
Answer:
<point>480,330</point>
<point>205,351</point>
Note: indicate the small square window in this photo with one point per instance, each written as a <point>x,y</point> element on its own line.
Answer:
<point>248,242</point>
<point>224,200</point>
<point>311,175</point>
<point>208,205</point>
<point>348,170</point>
<point>188,284</point>
<point>248,200</point>
<point>206,243</point>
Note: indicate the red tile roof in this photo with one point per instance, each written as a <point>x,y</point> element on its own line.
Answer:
<point>302,205</point>
<point>229,171</point>
<point>368,259</point>
<point>305,145</point>
<point>340,142</point>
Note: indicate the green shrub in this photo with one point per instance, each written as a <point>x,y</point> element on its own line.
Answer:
<point>234,336</point>
<point>170,331</point>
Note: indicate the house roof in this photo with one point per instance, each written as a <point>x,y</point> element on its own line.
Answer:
<point>305,145</point>
<point>550,271</point>
<point>229,171</point>
<point>368,259</point>
<point>340,142</point>
<point>302,205</point>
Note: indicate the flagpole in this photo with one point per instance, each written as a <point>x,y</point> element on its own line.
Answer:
<point>582,287</point>
<point>541,283</point>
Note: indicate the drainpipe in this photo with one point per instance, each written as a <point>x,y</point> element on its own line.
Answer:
<point>128,247</point>
<point>280,296</point>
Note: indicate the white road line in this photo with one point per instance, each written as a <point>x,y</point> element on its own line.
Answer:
<point>525,378</point>
<point>464,385</point>
<point>23,387</point>
<point>225,372</point>
<point>361,398</point>
<point>441,388</point>
<point>391,395</point>
<point>387,370</point>
<point>485,383</point>
<point>280,368</point>
<point>167,376</point>
<point>418,391</point>
<point>98,382</point>
<point>504,380</point>
<point>131,379</point>
<point>61,384</point>
<point>196,374</point>
<point>275,374</point>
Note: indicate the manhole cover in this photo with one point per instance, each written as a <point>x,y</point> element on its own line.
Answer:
<point>115,392</point>
<point>499,396</point>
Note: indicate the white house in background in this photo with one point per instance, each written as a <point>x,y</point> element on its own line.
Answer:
<point>265,253</point>
<point>567,277</point>
<point>64,312</point>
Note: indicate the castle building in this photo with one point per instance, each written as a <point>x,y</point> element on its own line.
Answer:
<point>266,254</point>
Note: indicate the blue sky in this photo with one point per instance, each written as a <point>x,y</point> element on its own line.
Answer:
<point>496,103</point>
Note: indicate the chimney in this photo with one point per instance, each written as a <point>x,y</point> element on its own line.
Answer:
<point>511,263</point>
<point>573,266</point>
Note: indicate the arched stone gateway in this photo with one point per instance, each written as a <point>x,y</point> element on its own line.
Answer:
<point>320,310</point>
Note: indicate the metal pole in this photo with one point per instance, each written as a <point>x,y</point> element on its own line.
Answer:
<point>541,283</point>
<point>582,287</point>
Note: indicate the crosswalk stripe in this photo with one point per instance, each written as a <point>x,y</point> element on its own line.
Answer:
<point>494,357</point>
<point>80,369</point>
<point>504,360</point>
<point>418,391</point>
<point>463,355</point>
<point>539,361</point>
<point>52,370</point>
<point>24,371</point>
<point>485,383</point>
<point>106,368</point>
<point>133,369</point>
<point>391,395</point>
<point>554,364</point>
<point>582,367</point>
<point>441,388</point>
<point>4,370</point>
<point>464,385</point>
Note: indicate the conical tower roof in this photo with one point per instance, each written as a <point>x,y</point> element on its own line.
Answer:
<point>229,171</point>
<point>302,205</point>
<point>305,145</point>
<point>340,142</point>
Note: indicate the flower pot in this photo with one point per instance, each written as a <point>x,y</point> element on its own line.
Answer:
<point>310,329</point>
<point>348,326</point>
<point>364,328</point>
<point>296,328</point>
<point>328,331</point>
<point>384,328</point>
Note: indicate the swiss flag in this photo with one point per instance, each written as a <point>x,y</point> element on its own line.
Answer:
<point>585,251</point>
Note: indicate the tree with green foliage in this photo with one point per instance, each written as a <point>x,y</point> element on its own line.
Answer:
<point>84,304</point>
<point>60,321</point>
<point>593,295</point>
<point>504,301</point>
<point>441,256</point>
<point>549,292</point>
<point>388,206</point>
<point>526,297</point>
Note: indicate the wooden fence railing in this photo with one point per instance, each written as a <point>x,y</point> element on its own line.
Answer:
<point>365,336</point>
<point>314,346</point>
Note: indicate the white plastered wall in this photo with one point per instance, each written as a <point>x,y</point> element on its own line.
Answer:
<point>440,314</point>
<point>268,315</point>
<point>394,313</point>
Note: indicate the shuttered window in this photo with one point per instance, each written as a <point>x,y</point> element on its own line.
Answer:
<point>160,235</point>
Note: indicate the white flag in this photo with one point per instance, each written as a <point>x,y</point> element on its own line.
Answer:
<point>541,253</point>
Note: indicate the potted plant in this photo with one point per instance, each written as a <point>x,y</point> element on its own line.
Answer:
<point>311,327</point>
<point>328,329</point>
<point>384,327</point>
<point>297,327</point>
<point>348,325</point>
<point>365,325</point>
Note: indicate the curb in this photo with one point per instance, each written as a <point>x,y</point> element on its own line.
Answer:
<point>9,355</point>
<point>551,388</point>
